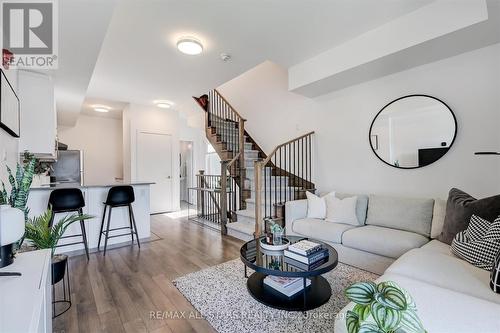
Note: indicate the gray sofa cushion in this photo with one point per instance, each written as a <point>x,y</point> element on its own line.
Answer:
<point>406,214</point>
<point>386,242</point>
<point>445,271</point>
<point>320,229</point>
<point>361,205</point>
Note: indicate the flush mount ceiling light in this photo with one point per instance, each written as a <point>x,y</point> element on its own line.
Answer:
<point>189,45</point>
<point>164,104</point>
<point>101,108</point>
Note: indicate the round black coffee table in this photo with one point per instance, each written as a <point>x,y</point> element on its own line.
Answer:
<point>265,262</point>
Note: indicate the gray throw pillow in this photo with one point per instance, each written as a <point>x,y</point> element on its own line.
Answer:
<point>460,208</point>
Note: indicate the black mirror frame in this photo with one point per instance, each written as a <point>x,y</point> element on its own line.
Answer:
<point>407,96</point>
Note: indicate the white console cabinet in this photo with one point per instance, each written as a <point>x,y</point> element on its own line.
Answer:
<point>26,300</point>
<point>38,114</point>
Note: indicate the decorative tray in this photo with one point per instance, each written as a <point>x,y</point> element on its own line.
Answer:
<point>266,246</point>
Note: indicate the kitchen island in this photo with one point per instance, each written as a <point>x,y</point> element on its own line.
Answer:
<point>95,195</point>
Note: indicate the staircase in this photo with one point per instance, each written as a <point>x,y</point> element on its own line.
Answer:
<point>262,184</point>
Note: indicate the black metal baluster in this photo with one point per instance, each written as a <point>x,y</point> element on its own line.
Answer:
<point>270,190</point>
<point>265,191</point>
<point>289,173</point>
<point>275,183</point>
<point>294,171</point>
<point>281,171</point>
<point>309,160</point>
<point>302,163</point>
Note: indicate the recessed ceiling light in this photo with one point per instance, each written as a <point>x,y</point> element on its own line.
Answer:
<point>101,108</point>
<point>164,104</point>
<point>189,45</point>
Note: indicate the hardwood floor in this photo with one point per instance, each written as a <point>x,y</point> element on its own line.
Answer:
<point>118,293</point>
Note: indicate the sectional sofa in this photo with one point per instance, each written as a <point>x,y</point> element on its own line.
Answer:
<point>388,228</point>
<point>396,238</point>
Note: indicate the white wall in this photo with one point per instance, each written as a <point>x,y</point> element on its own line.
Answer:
<point>101,141</point>
<point>274,114</point>
<point>191,129</point>
<point>468,83</point>
<point>148,118</point>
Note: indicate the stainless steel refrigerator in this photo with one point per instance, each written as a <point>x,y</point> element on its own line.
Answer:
<point>69,167</point>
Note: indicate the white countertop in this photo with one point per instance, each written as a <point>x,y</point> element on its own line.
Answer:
<point>68,185</point>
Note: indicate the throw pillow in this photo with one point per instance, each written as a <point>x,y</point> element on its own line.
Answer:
<point>438,214</point>
<point>480,252</point>
<point>493,232</point>
<point>477,229</point>
<point>459,209</point>
<point>341,210</point>
<point>316,206</point>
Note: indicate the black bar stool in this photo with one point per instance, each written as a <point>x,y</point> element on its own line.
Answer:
<point>66,200</point>
<point>119,196</point>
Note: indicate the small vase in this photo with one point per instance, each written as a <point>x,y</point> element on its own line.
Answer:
<point>278,238</point>
<point>495,275</point>
<point>40,180</point>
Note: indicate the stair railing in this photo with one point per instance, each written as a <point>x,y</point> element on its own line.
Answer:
<point>216,198</point>
<point>230,192</point>
<point>221,115</point>
<point>288,178</point>
<point>208,198</point>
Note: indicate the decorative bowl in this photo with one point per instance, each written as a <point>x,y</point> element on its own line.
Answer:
<point>270,247</point>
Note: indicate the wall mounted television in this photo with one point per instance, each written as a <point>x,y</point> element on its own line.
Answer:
<point>427,156</point>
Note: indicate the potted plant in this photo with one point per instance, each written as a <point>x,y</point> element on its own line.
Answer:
<point>19,190</point>
<point>20,187</point>
<point>42,236</point>
<point>41,169</point>
<point>382,308</point>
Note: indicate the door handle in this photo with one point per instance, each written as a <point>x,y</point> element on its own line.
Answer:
<point>168,177</point>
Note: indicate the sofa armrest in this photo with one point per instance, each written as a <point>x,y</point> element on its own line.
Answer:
<point>294,210</point>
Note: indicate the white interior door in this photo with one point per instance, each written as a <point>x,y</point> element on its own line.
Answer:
<point>154,163</point>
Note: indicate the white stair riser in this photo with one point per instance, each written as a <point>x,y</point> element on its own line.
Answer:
<point>251,154</point>
<point>248,146</point>
<point>284,195</point>
<point>240,235</point>
<point>245,219</point>
<point>251,206</point>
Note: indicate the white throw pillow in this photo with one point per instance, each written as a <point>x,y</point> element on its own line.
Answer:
<point>341,210</point>
<point>316,206</point>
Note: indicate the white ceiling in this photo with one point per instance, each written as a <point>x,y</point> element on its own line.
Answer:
<point>82,27</point>
<point>139,63</point>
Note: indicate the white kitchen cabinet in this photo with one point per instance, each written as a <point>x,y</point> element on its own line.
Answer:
<point>38,114</point>
<point>26,300</point>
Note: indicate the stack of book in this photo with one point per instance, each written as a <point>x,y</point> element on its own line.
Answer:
<point>286,286</point>
<point>251,251</point>
<point>306,255</point>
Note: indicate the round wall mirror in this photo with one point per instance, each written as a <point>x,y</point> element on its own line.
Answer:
<point>413,131</point>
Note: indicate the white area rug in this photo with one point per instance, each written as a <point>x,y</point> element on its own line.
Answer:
<point>220,295</point>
